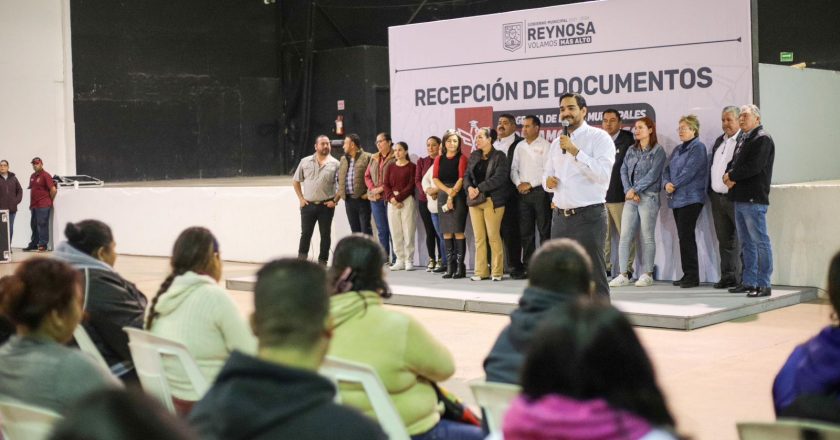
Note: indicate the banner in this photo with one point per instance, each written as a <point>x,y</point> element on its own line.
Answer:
<point>657,58</point>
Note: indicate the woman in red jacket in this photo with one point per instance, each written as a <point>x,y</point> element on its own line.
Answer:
<point>399,192</point>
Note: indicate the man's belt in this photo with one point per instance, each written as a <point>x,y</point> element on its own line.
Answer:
<point>321,202</point>
<point>573,211</point>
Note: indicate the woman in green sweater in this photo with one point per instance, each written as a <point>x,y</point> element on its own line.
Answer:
<point>407,358</point>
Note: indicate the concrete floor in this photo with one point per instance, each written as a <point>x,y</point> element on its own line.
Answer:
<point>712,377</point>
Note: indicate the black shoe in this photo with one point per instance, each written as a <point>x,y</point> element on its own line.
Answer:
<point>30,248</point>
<point>518,275</point>
<point>740,288</point>
<point>687,284</point>
<point>678,282</point>
<point>450,257</point>
<point>758,292</point>
<point>725,283</point>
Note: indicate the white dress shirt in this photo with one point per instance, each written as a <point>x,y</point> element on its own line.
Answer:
<point>504,143</point>
<point>722,157</point>
<point>583,179</point>
<point>528,164</point>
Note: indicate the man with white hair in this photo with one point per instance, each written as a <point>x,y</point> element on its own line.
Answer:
<point>748,179</point>
<point>723,212</point>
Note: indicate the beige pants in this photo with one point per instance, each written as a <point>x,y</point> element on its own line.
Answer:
<point>487,223</point>
<point>403,226</point>
<point>614,211</point>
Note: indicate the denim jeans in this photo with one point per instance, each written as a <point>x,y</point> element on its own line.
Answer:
<point>439,233</point>
<point>751,223</point>
<point>644,212</point>
<point>379,209</point>
<point>449,430</point>
<point>11,226</point>
<point>358,214</point>
<point>40,224</point>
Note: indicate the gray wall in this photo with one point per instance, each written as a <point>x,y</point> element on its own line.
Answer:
<point>798,109</point>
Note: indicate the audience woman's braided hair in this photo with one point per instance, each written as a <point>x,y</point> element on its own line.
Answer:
<point>194,251</point>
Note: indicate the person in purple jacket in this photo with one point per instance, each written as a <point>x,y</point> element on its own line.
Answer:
<point>812,370</point>
<point>11,193</point>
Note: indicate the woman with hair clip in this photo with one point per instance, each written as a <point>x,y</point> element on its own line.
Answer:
<point>448,175</point>
<point>587,376</point>
<point>427,197</point>
<point>191,308</point>
<point>808,385</point>
<point>487,181</point>
<point>407,358</point>
<point>641,177</point>
<point>43,299</point>
<point>110,301</point>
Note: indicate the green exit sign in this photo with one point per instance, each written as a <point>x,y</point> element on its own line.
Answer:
<point>786,57</point>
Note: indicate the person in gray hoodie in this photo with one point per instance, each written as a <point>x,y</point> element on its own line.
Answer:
<point>560,273</point>
<point>110,301</point>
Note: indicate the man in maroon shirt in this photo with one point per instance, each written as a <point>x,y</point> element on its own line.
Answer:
<point>42,191</point>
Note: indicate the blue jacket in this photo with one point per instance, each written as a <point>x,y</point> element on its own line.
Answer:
<point>688,170</point>
<point>812,368</point>
<point>645,168</point>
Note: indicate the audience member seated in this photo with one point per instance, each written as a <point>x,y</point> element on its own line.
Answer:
<point>7,329</point>
<point>191,308</point>
<point>813,369</point>
<point>586,376</point>
<point>43,298</point>
<point>279,394</point>
<point>560,271</point>
<point>110,302</point>
<point>406,357</point>
<point>124,415</point>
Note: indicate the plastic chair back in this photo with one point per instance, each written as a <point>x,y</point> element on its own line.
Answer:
<point>148,351</point>
<point>86,344</point>
<point>339,370</point>
<point>787,430</point>
<point>20,421</point>
<point>494,398</point>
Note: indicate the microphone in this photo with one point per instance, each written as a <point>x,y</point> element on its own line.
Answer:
<point>565,124</point>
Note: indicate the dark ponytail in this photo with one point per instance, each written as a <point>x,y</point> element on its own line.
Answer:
<point>193,252</point>
<point>365,258</point>
<point>88,235</point>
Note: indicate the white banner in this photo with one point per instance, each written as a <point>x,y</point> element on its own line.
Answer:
<point>656,58</point>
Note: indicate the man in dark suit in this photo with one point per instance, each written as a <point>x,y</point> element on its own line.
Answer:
<point>748,178</point>
<point>723,211</point>
<point>623,140</point>
<point>508,139</point>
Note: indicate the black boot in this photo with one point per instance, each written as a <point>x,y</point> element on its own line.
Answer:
<point>450,257</point>
<point>460,252</point>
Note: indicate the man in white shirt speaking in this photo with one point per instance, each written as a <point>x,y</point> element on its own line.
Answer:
<point>526,172</point>
<point>577,172</point>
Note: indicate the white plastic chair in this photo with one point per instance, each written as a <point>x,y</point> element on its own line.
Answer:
<point>20,421</point>
<point>86,344</point>
<point>788,429</point>
<point>147,352</point>
<point>340,370</point>
<point>495,399</point>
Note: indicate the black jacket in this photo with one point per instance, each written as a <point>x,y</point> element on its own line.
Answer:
<point>255,399</point>
<point>751,168</point>
<point>112,302</point>
<point>496,184</point>
<point>508,353</point>
<point>11,193</point>
<point>625,140</point>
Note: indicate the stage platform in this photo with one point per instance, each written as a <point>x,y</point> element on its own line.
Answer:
<point>661,305</point>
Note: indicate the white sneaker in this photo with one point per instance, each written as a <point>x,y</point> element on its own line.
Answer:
<point>409,266</point>
<point>620,281</point>
<point>644,280</point>
<point>399,265</point>
<point>477,278</point>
